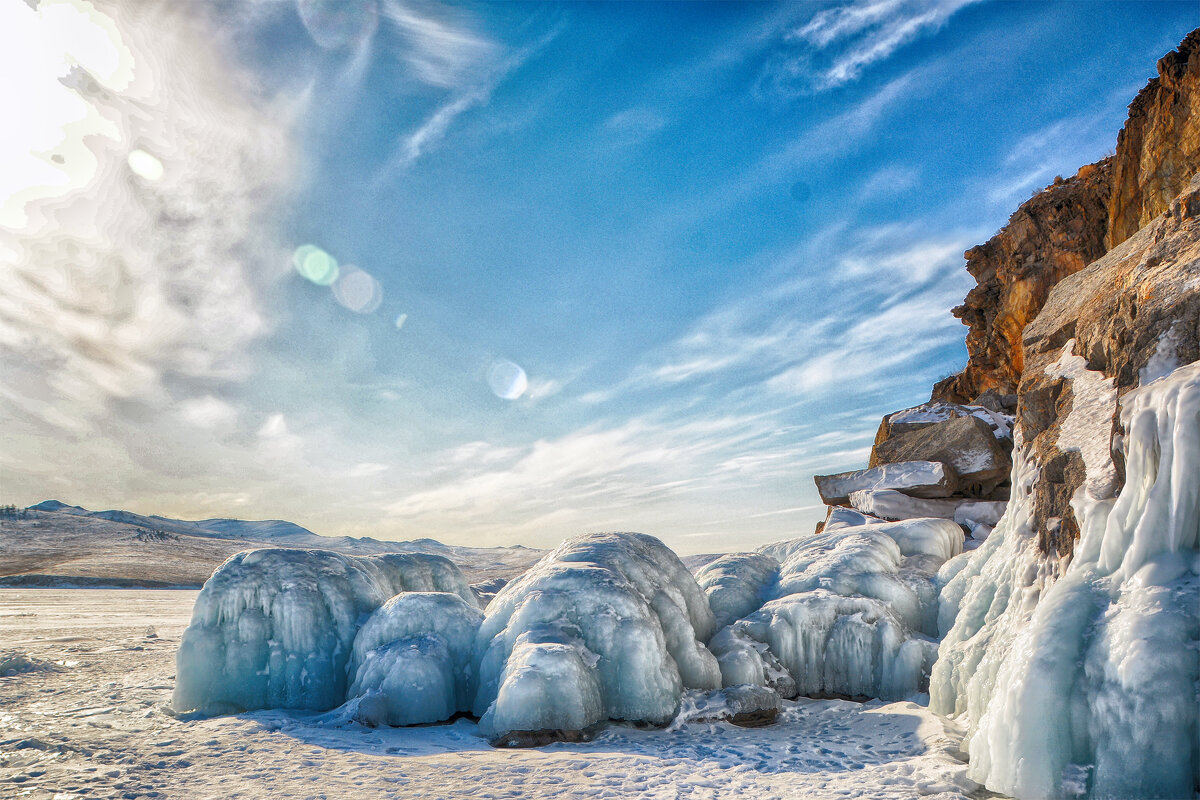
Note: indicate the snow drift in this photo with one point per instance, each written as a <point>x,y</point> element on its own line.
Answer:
<point>273,628</point>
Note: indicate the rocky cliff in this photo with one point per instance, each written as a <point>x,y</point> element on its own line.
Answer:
<point>1072,223</point>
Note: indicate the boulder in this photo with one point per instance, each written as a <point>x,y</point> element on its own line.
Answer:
<point>915,478</point>
<point>965,443</point>
<point>841,517</point>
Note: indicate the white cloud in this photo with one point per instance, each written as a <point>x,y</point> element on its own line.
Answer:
<point>441,51</point>
<point>429,134</point>
<point>837,44</point>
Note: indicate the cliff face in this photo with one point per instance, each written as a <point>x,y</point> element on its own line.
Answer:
<point>1057,232</point>
<point>1068,225</point>
<point>1159,148</point>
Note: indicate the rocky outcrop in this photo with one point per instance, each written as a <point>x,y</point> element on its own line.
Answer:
<point>1158,150</point>
<point>1068,225</point>
<point>1127,319</point>
<point>966,444</point>
<point>1057,232</point>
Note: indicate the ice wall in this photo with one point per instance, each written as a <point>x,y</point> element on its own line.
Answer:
<point>1086,682</point>
<point>273,628</point>
<point>606,626</point>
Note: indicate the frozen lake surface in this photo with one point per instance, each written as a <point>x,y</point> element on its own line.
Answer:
<point>85,686</point>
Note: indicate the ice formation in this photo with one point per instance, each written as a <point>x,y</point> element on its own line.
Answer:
<point>273,628</point>
<point>849,610</point>
<point>1087,682</point>
<point>605,626</point>
<point>737,584</point>
<point>412,660</point>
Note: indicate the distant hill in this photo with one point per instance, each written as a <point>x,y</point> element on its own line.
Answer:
<point>57,544</point>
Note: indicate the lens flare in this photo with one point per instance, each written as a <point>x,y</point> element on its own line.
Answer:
<point>358,290</point>
<point>145,165</point>
<point>507,380</point>
<point>315,264</point>
<point>400,320</point>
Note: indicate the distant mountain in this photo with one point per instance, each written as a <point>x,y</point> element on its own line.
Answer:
<point>62,544</point>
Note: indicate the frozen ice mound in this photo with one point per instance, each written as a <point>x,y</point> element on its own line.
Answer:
<point>850,610</point>
<point>412,660</point>
<point>1086,682</point>
<point>616,612</point>
<point>830,645</point>
<point>273,628</point>
<point>737,584</point>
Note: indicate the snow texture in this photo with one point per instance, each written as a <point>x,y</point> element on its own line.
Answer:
<point>1088,684</point>
<point>273,628</point>
<point>605,626</point>
<point>412,661</point>
<point>933,412</point>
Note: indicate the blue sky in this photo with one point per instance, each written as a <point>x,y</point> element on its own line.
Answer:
<point>718,240</point>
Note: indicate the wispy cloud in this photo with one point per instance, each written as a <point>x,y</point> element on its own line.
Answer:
<point>429,134</point>
<point>838,44</point>
<point>440,51</point>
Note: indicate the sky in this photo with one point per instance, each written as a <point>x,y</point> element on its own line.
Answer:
<point>504,273</point>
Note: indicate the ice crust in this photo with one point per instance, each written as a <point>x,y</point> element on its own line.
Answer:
<point>273,628</point>
<point>412,660</point>
<point>605,626</point>
<point>1084,679</point>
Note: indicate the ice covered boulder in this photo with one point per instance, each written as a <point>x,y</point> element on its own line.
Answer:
<point>413,660</point>
<point>618,612</point>
<point>914,478</point>
<point>745,706</point>
<point>737,584</point>
<point>273,628</point>
<point>892,505</point>
<point>967,443</point>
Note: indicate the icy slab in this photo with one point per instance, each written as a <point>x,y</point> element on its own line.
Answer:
<point>833,645</point>
<point>841,517</point>
<point>1088,682</point>
<point>892,505</point>
<point>412,660</point>
<point>273,628</point>
<point>737,584</point>
<point>915,478</point>
<point>616,611</point>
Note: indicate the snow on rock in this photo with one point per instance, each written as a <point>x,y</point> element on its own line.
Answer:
<point>915,478</point>
<point>273,628</point>
<point>1125,724</point>
<point>616,612</point>
<point>412,660</point>
<point>737,583</point>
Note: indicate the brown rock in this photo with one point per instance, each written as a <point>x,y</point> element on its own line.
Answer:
<point>1055,233</point>
<point>1131,315</point>
<point>539,738</point>
<point>965,443</point>
<point>1074,222</point>
<point>1158,150</point>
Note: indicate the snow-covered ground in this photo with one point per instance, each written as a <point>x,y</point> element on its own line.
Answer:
<point>85,713</point>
